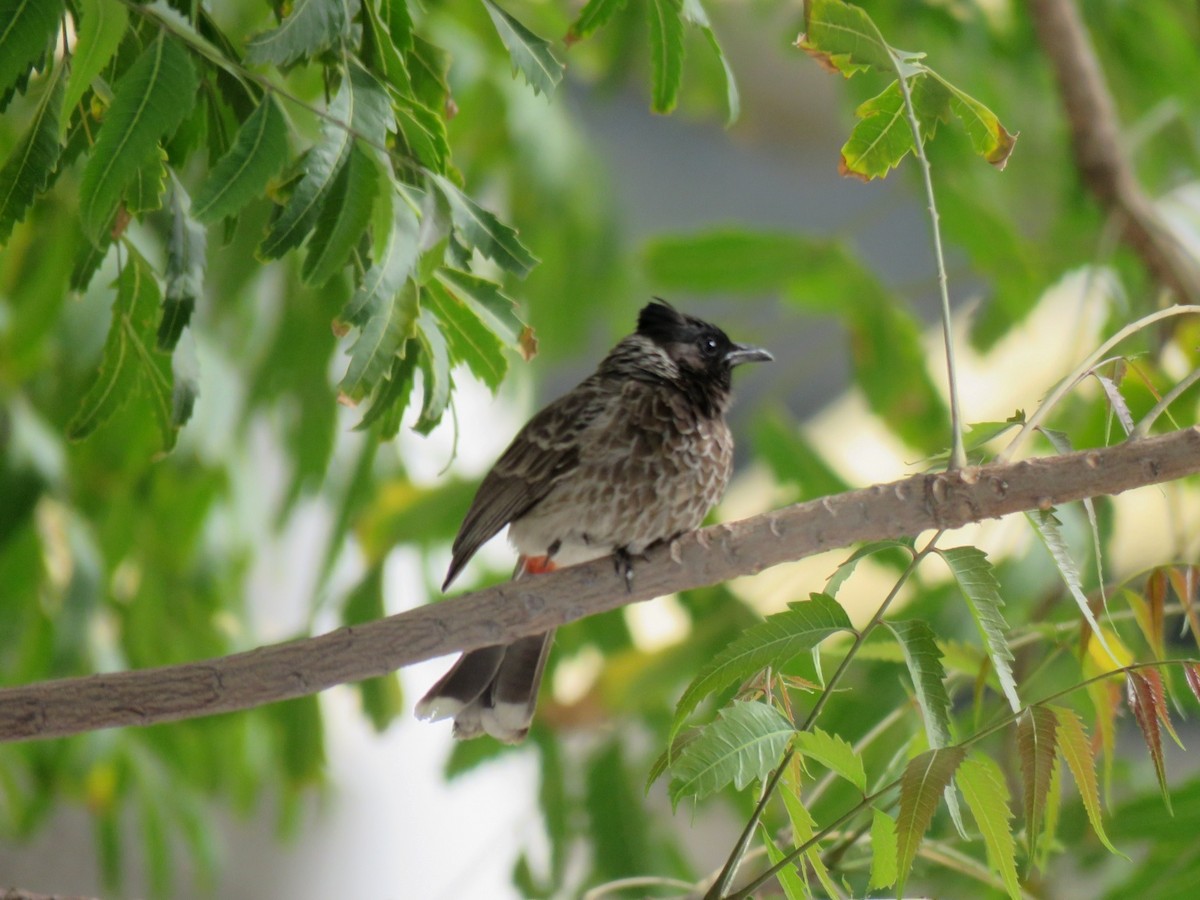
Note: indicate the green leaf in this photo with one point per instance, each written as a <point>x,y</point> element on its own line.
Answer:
<point>395,15</point>
<point>983,787</point>
<point>694,13</point>
<point>925,778</point>
<point>186,245</point>
<point>780,442</point>
<point>145,191</point>
<point>743,744</point>
<point>343,218</point>
<point>988,137</point>
<point>391,397</point>
<point>882,137</point>
<point>1037,746</point>
<point>846,568</point>
<point>421,134</point>
<point>594,16</point>
<point>469,338</point>
<point>774,642</point>
<point>883,850</point>
<point>666,52</point>
<point>102,25</point>
<point>1049,529</point>
<point>835,754</point>
<point>530,54</point>
<point>977,580</point>
<point>484,232</point>
<point>1148,704</point>
<point>789,878</point>
<point>382,699</point>
<point>259,150</point>
<point>149,102</point>
<point>733,260</point>
<point>435,367</point>
<point>362,103</point>
<point>27,28</point>
<point>804,828</point>
<point>493,307</point>
<point>843,38</point>
<point>379,50</point>
<point>389,272</point>
<point>1076,749</point>
<point>129,360</point>
<point>388,319</point>
<point>28,168</point>
<point>310,27</point>
<point>924,661</point>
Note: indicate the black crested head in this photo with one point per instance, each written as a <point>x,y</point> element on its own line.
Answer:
<point>700,356</point>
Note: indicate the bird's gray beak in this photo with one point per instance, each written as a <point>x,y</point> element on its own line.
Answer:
<point>744,353</point>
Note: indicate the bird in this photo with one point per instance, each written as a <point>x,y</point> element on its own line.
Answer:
<point>635,455</point>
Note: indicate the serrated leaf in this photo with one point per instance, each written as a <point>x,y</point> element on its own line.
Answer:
<point>129,360</point>
<point>470,340</point>
<point>530,54</point>
<point>789,878</point>
<point>343,218</point>
<point>883,850</point>
<point>493,307</point>
<point>363,104</point>
<point>259,150</point>
<point>391,397</point>
<point>145,190</point>
<point>1076,749</point>
<point>982,785</point>
<point>421,134</point>
<point>186,246</point>
<point>666,52</point>
<point>988,137</point>
<point>977,580</point>
<point>1049,530</point>
<point>882,136</point>
<point>1143,703</point>
<point>379,50</point>
<point>27,28</point>
<point>389,272</point>
<point>842,38</point>
<point>925,779</point>
<point>28,168</point>
<point>484,232</point>
<point>594,16</point>
<point>774,642</point>
<point>1191,674</point>
<point>388,319</point>
<point>924,661</point>
<point>149,102</point>
<point>435,367</point>
<point>1037,745</point>
<point>834,753</point>
<point>846,568</point>
<point>743,744</point>
<point>693,12</point>
<point>427,67</point>
<point>310,27</point>
<point>102,25</point>
<point>804,828</point>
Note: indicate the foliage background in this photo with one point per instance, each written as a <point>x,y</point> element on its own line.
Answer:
<point>272,517</point>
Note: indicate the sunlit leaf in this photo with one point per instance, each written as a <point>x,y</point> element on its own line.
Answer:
<point>982,785</point>
<point>883,136</point>
<point>1076,749</point>
<point>743,744</point>
<point>531,55</point>
<point>977,580</point>
<point>102,24</point>
<point>666,52</point>
<point>149,102</point>
<point>1037,746</point>
<point>835,753</point>
<point>925,779</point>
<point>789,878</point>
<point>310,27</point>
<point>27,170</point>
<point>259,150</point>
<point>923,658</point>
<point>883,850</point>
<point>773,642</point>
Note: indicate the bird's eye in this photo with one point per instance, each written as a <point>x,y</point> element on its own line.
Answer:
<point>708,346</point>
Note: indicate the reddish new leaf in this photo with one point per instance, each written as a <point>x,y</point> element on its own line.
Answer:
<point>1144,703</point>
<point>1038,747</point>
<point>1191,671</point>
<point>1183,579</point>
<point>921,786</point>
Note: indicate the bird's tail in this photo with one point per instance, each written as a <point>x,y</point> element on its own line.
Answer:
<point>493,690</point>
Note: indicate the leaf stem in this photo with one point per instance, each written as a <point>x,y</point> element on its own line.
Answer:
<point>1143,427</point>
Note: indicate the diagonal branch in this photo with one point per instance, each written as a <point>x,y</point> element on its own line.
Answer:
<point>507,611</point>
<point>1095,142</point>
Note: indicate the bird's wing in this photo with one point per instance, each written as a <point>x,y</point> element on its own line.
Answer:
<point>546,450</point>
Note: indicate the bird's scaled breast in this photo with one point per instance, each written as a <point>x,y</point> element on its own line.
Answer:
<point>649,471</point>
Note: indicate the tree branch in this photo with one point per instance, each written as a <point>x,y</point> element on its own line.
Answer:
<point>1095,142</point>
<point>507,611</point>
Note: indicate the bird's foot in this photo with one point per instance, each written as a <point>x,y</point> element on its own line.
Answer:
<point>623,563</point>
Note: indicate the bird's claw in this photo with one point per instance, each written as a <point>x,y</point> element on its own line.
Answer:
<point>623,563</point>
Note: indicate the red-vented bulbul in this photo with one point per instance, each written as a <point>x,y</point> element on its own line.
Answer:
<point>638,453</point>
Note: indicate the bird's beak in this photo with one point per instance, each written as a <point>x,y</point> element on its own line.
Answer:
<point>744,353</point>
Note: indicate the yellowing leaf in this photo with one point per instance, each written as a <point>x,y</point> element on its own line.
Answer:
<point>982,785</point>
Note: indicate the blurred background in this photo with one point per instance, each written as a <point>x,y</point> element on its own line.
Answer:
<point>274,517</point>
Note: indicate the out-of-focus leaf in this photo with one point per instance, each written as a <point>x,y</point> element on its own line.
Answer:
<point>388,320</point>
<point>924,661</point>
<point>149,102</point>
<point>789,879</point>
<point>735,260</point>
<point>977,580</point>
<point>391,397</point>
<point>310,27</point>
<point>343,218</point>
<point>1076,749</point>
<point>484,232</point>
<point>300,739</point>
<point>28,29</point>
<point>531,55</point>
<point>1062,444</point>
<point>772,642</point>
<point>102,24</point>
<point>624,842</point>
<point>435,367</point>
<point>259,150</point>
<point>835,753</point>
<point>666,52</point>
<point>469,339</point>
<point>27,170</point>
<point>743,744</point>
<point>804,828</point>
<point>382,698</point>
<point>983,787</point>
<point>421,134</point>
<point>925,778</point>
<point>594,16</point>
<point>793,460</point>
<point>883,850</point>
<point>186,261</point>
<point>693,12</point>
<point>1037,744</point>
<point>846,568</point>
